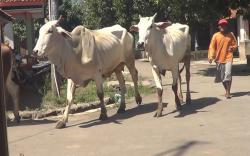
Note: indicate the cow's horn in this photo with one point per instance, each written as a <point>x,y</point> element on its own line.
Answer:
<point>59,20</point>
<point>154,15</point>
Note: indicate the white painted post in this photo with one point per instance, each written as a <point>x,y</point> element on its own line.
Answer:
<point>53,14</point>
<point>241,37</point>
<point>30,31</point>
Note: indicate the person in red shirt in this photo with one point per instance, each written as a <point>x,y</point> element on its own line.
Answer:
<point>221,49</point>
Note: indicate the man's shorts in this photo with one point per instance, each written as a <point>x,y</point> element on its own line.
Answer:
<point>223,72</point>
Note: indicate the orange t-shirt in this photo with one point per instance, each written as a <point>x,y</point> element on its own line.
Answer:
<point>219,47</point>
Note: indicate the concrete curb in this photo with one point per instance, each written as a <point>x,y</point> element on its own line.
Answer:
<point>195,55</point>
<point>75,108</point>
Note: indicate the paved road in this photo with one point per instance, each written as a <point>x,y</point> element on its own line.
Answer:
<point>210,126</point>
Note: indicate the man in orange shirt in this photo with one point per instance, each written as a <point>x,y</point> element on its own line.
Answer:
<point>221,49</point>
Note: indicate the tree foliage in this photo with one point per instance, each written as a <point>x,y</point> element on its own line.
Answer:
<point>101,13</point>
<point>72,13</point>
<point>19,29</point>
<point>96,14</point>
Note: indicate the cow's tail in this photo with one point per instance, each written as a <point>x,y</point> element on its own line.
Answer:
<point>182,68</point>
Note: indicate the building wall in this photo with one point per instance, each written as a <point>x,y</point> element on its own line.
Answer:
<point>243,37</point>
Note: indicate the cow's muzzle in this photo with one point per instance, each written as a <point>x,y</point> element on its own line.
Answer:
<point>140,46</point>
<point>35,53</point>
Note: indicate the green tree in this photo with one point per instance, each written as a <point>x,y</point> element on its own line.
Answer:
<point>72,13</point>
<point>124,12</point>
<point>99,13</point>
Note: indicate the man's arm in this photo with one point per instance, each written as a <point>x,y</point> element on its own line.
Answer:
<point>212,49</point>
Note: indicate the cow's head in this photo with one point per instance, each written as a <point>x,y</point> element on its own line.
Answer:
<point>145,27</point>
<point>50,35</point>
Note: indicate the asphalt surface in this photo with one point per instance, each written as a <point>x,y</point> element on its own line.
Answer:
<point>210,126</point>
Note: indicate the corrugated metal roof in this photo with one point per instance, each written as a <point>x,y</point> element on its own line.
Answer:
<point>6,16</point>
<point>20,0</point>
<point>16,3</point>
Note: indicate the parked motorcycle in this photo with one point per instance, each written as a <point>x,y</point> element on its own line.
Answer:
<point>34,76</point>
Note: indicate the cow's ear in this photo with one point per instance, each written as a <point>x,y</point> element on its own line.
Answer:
<point>134,28</point>
<point>66,35</point>
<point>163,25</point>
<point>46,20</point>
<point>63,32</point>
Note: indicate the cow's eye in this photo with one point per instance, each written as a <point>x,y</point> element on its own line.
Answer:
<point>151,27</point>
<point>50,31</point>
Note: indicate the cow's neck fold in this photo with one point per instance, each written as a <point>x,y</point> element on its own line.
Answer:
<point>155,40</point>
<point>62,56</point>
<point>68,61</point>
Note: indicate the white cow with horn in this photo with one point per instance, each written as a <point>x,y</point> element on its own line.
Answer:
<point>84,55</point>
<point>167,45</point>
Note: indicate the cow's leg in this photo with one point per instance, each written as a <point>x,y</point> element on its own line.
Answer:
<point>100,94</point>
<point>158,83</point>
<point>187,66</point>
<point>134,74</point>
<point>121,80</point>
<point>13,90</point>
<point>70,94</point>
<point>180,88</point>
<point>175,75</point>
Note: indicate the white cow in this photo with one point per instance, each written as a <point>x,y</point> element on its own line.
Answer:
<point>166,45</point>
<point>84,55</point>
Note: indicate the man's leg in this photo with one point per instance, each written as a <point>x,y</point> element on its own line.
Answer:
<point>222,76</point>
<point>230,84</point>
<point>224,85</point>
<point>228,87</point>
<point>228,78</point>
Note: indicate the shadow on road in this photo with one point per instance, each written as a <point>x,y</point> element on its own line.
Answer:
<point>195,106</point>
<point>181,150</point>
<point>239,94</point>
<point>30,122</point>
<point>237,70</point>
<point>117,118</point>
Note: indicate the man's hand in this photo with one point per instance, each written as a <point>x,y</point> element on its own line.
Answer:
<point>230,49</point>
<point>210,60</point>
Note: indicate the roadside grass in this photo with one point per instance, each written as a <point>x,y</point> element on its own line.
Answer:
<point>87,94</point>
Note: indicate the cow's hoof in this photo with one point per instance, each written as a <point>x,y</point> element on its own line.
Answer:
<point>181,100</point>
<point>188,101</point>
<point>158,114</point>
<point>60,124</point>
<point>121,110</point>
<point>103,117</point>
<point>17,119</point>
<point>178,107</point>
<point>138,100</point>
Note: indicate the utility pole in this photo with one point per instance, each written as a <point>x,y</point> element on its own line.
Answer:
<point>53,15</point>
<point>53,9</point>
